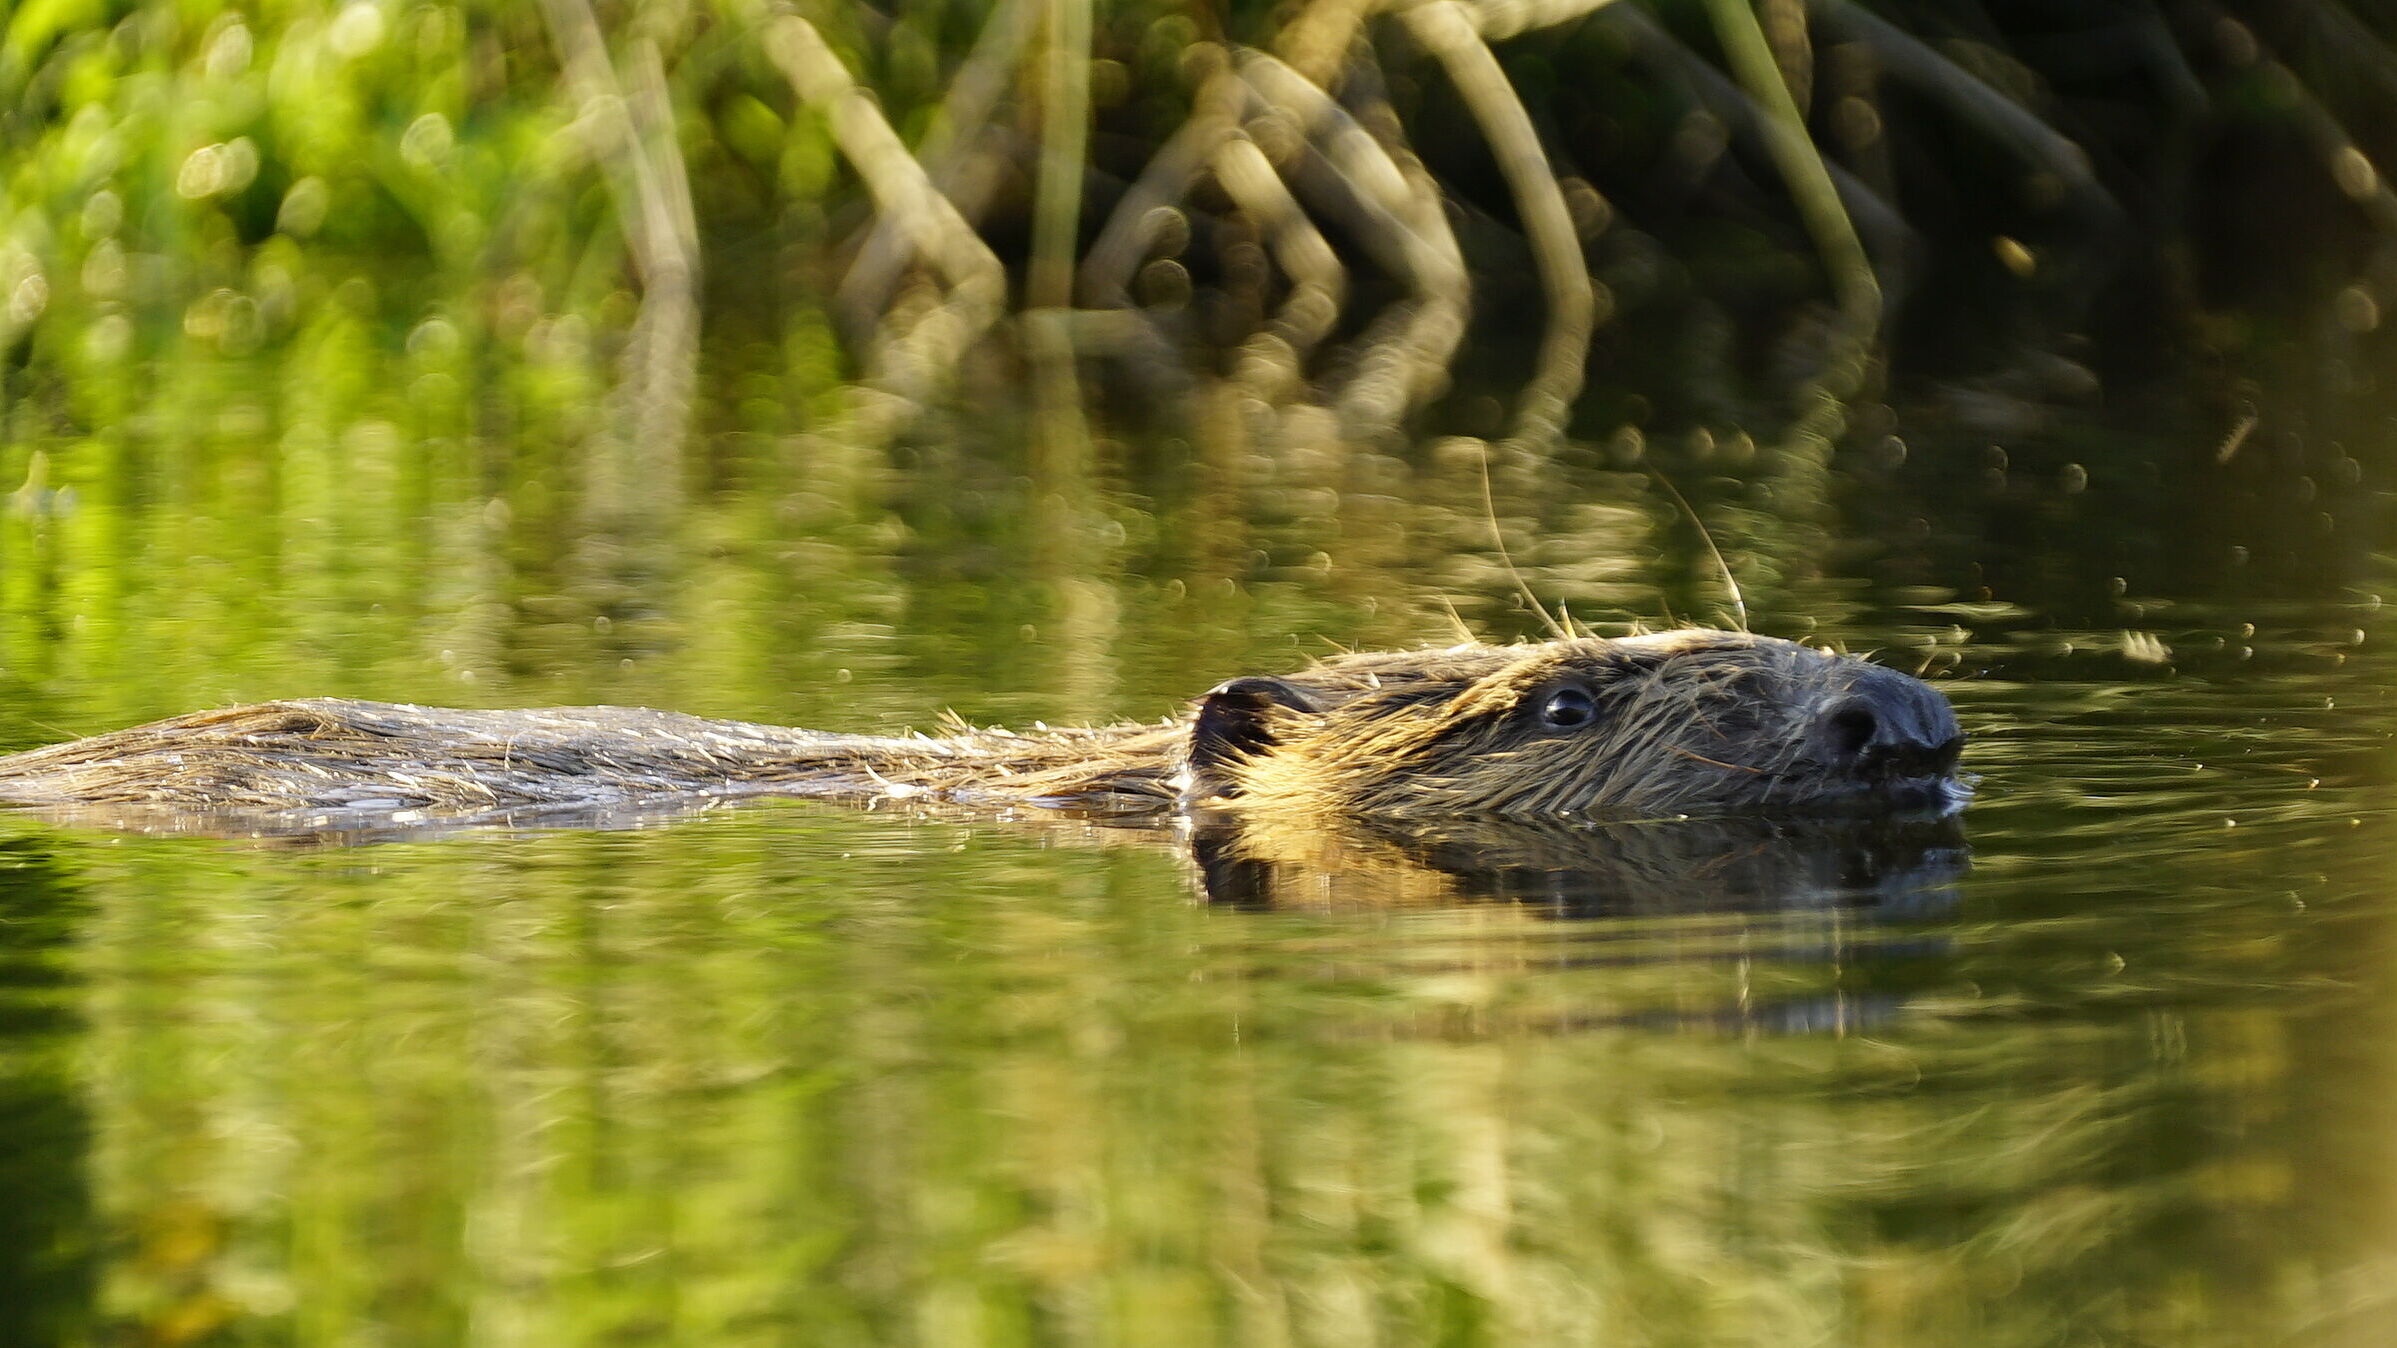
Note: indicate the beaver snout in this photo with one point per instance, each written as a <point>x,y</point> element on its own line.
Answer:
<point>1889,725</point>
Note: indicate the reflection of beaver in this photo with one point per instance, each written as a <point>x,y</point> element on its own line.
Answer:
<point>1895,867</point>
<point>1694,722</point>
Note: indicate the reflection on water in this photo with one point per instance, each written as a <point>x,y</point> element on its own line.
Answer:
<point>1661,867</point>
<point>794,1073</point>
<point>2106,1060</point>
<point>48,1234</point>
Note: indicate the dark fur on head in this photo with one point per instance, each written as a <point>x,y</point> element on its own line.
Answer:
<point>1694,722</point>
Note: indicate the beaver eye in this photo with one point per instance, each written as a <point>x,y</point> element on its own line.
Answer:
<point>1568,709</point>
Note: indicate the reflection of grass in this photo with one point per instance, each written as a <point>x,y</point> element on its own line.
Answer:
<point>798,1074</point>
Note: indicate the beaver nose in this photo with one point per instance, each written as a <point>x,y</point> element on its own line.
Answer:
<point>1890,724</point>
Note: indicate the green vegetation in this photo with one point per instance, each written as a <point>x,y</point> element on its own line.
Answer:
<point>841,364</point>
<point>468,351</point>
<point>487,214</point>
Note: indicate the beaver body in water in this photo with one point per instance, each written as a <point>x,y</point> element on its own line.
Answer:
<point>1677,723</point>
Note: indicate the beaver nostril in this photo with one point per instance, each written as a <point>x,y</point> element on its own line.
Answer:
<point>1849,731</point>
<point>1888,726</point>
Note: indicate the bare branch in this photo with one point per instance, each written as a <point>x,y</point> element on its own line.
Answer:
<point>1274,359</point>
<point>1446,31</point>
<point>910,363</point>
<point>1123,244</point>
<point>635,465</point>
<point>959,164</point>
<point>2006,121</point>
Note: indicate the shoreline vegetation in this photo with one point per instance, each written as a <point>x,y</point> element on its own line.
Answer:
<point>500,315</point>
<point>1322,206</point>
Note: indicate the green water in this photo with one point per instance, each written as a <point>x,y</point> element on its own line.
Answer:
<point>355,349</point>
<point>2115,1068</point>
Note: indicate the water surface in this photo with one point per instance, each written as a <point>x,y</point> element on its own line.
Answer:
<point>2112,1066</point>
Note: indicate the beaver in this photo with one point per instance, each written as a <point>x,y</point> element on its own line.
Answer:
<point>1696,722</point>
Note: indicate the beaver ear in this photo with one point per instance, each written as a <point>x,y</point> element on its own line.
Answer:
<point>1234,722</point>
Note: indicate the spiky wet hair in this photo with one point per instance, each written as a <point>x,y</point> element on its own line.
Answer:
<point>1690,722</point>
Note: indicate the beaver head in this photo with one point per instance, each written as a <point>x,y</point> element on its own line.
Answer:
<point>1676,723</point>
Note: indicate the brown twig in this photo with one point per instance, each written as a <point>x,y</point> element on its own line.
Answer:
<point>909,363</point>
<point>1445,30</point>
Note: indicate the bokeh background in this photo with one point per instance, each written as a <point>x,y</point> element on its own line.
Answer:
<point>850,364</point>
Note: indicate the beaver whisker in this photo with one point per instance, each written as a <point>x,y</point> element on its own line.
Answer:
<point>1711,762</point>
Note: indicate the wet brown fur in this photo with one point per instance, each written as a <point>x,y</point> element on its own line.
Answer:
<point>1692,722</point>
